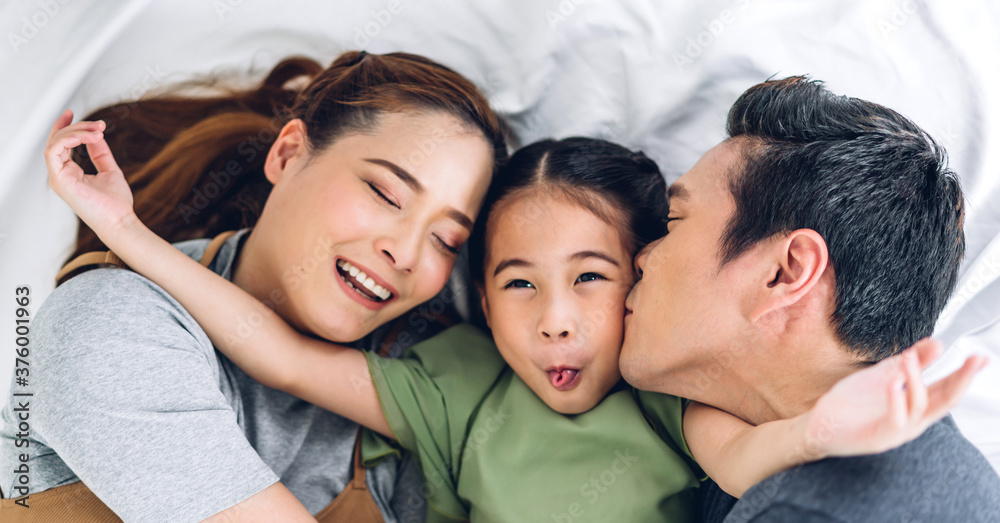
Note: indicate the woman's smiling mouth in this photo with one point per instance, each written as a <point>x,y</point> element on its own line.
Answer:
<point>361,286</point>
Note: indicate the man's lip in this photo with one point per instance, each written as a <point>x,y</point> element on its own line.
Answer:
<point>371,274</point>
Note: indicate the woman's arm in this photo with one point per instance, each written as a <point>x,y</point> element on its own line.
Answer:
<point>325,374</point>
<point>870,411</point>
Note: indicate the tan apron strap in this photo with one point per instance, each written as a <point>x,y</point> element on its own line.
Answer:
<point>74,502</point>
<point>89,258</point>
<point>110,258</point>
<point>355,503</point>
<point>214,246</point>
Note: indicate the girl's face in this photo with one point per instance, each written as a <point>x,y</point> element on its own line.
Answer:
<point>354,235</point>
<point>555,282</point>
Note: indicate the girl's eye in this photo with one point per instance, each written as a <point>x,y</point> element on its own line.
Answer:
<point>450,248</point>
<point>589,276</point>
<point>382,195</point>
<point>519,284</point>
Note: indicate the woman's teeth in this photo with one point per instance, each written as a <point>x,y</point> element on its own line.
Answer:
<point>363,279</point>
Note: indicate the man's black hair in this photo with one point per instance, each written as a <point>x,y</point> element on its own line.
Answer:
<point>875,186</point>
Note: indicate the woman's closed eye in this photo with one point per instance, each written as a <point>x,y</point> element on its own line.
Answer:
<point>446,246</point>
<point>382,195</point>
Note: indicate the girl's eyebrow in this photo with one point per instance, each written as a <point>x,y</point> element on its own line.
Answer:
<point>511,262</point>
<point>594,254</point>
<point>517,262</point>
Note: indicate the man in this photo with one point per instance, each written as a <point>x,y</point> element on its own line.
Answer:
<point>823,235</point>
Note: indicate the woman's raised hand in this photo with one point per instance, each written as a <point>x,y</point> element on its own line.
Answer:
<point>102,200</point>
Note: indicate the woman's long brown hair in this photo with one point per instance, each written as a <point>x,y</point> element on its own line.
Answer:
<point>195,165</point>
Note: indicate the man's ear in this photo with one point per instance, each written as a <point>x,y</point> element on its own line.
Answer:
<point>798,262</point>
<point>484,303</point>
<point>291,142</point>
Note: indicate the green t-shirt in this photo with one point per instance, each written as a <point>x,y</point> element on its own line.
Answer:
<point>491,450</point>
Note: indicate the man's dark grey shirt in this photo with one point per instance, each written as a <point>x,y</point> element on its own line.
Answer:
<point>938,477</point>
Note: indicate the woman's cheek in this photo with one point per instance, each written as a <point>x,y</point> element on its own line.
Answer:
<point>436,276</point>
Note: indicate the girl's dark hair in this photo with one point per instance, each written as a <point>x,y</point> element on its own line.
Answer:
<point>623,187</point>
<point>195,164</point>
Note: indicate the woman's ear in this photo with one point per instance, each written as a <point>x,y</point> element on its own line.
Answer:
<point>291,143</point>
<point>798,262</point>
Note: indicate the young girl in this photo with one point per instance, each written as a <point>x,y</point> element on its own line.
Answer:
<point>535,424</point>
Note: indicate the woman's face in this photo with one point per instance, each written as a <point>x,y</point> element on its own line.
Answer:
<point>554,289</point>
<point>354,235</point>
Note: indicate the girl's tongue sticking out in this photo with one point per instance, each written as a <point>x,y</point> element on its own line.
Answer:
<point>564,379</point>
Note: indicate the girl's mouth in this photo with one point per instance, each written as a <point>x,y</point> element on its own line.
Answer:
<point>361,283</point>
<point>564,379</point>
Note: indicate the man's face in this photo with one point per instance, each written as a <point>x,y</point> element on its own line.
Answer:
<point>685,312</point>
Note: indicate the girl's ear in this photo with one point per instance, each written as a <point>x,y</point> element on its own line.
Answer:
<point>484,303</point>
<point>291,142</point>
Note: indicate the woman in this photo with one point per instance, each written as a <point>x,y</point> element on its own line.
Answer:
<point>381,161</point>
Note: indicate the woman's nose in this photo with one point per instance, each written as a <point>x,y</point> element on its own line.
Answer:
<point>402,251</point>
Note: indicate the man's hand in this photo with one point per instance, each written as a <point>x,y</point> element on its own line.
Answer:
<point>885,405</point>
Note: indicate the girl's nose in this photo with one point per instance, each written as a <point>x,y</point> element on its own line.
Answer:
<point>558,321</point>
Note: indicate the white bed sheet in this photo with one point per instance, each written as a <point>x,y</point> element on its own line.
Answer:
<point>655,75</point>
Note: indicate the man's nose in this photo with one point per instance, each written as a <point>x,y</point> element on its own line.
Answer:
<point>642,258</point>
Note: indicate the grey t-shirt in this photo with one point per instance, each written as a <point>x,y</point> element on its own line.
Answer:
<point>938,477</point>
<point>130,396</point>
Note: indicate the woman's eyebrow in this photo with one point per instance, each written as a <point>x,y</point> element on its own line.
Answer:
<point>400,173</point>
<point>416,186</point>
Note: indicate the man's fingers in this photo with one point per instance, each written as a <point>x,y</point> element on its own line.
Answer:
<point>945,394</point>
